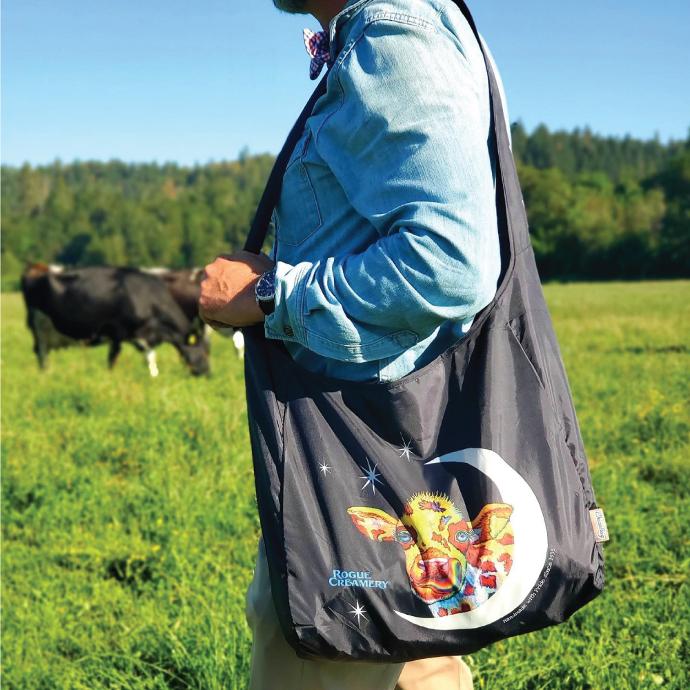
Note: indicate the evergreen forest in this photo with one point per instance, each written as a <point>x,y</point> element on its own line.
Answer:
<point>599,208</point>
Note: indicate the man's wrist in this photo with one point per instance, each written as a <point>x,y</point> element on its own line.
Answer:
<point>264,291</point>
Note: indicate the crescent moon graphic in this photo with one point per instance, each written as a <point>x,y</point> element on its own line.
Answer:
<point>529,551</point>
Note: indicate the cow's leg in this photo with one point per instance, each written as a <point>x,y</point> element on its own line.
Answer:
<point>41,351</point>
<point>113,352</point>
<point>40,347</point>
<point>238,342</point>
<point>143,346</point>
<point>151,361</point>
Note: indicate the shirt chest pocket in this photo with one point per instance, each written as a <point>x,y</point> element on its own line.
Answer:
<point>297,215</point>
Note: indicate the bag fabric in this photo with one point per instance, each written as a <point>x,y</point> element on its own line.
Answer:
<point>438,513</point>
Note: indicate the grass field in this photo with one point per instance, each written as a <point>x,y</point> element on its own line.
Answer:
<point>130,526</point>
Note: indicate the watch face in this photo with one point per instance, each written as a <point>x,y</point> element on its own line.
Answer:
<point>265,288</point>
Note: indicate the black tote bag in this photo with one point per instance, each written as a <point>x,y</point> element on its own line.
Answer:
<point>438,513</point>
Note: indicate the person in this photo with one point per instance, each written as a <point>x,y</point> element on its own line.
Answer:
<point>386,246</point>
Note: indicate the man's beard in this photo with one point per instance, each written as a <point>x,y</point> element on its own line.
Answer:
<point>292,6</point>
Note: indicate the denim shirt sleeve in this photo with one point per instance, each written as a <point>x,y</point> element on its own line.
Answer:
<point>408,144</point>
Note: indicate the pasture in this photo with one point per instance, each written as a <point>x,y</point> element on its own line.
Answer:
<point>129,523</point>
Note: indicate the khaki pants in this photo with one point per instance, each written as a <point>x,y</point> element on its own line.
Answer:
<point>275,666</point>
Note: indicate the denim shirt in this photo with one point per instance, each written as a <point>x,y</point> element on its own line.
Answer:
<point>386,233</point>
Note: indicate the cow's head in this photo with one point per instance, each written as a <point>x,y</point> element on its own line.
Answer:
<point>195,351</point>
<point>439,543</point>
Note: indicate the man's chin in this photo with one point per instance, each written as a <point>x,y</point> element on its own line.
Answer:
<point>291,6</point>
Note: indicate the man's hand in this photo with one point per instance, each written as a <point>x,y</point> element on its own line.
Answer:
<point>227,290</point>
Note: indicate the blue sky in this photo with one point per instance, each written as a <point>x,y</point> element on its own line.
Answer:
<point>174,80</point>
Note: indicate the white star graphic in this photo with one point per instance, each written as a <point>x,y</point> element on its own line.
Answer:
<point>405,450</point>
<point>324,468</point>
<point>371,477</point>
<point>358,612</point>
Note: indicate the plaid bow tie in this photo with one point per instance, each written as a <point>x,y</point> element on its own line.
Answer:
<point>318,49</point>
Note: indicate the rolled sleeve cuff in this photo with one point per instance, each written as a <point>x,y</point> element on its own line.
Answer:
<point>286,321</point>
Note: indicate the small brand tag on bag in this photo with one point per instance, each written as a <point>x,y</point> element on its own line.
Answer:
<point>601,531</point>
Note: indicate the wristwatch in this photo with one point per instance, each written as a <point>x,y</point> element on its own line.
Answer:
<point>265,291</point>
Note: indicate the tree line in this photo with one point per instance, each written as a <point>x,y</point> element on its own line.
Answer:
<point>598,207</point>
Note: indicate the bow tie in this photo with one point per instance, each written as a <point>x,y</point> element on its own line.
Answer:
<point>318,49</point>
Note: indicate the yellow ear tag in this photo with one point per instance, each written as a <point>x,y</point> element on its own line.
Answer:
<point>191,340</point>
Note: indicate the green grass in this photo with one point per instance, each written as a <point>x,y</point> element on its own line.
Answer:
<point>130,524</point>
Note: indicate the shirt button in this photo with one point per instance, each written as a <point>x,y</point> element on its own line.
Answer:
<point>288,331</point>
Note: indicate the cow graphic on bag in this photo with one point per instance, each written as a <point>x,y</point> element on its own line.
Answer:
<point>454,564</point>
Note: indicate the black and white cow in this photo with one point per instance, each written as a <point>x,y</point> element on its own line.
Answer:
<point>103,304</point>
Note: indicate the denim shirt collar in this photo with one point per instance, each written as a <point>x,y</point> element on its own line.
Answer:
<point>351,6</point>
